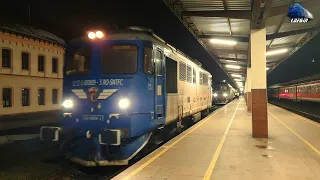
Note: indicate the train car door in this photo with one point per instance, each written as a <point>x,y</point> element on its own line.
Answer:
<point>159,63</point>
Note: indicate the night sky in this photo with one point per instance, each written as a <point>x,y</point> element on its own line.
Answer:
<point>70,21</point>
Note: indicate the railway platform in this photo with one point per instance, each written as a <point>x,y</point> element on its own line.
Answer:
<point>221,146</point>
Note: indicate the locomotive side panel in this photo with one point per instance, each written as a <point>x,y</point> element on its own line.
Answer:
<point>171,89</point>
<point>192,95</point>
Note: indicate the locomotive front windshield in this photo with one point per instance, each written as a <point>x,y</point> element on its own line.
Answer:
<point>115,59</point>
<point>119,59</point>
<point>78,61</point>
<point>220,88</point>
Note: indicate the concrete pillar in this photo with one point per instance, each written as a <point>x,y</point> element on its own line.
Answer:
<point>249,95</point>
<point>259,83</point>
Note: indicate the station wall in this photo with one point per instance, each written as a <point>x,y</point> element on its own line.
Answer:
<point>26,63</point>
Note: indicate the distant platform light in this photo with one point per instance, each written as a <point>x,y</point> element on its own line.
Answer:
<point>221,41</point>
<point>279,51</point>
<point>233,66</point>
<point>91,35</point>
<point>239,84</point>
<point>99,34</point>
<point>267,69</point>
<point>236,75</point>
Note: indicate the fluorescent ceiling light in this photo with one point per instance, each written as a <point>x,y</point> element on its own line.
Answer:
<point>236,75</point>
<point>237,79</point>
<point>233,66</point>
<point>229,61</point>
<point>221,41</point>
<point>279,51</point>
<point>267,69</point>
<point>240,83</point>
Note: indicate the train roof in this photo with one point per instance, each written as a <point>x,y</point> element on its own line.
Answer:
<point>145,34</point>
<point>300,81</point>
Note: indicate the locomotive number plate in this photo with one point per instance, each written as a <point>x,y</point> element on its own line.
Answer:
<point>92,117</point>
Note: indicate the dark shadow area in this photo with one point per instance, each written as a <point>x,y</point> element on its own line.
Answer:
<point>306,109</point>
<point>304,62</point>
<point>74,20</point>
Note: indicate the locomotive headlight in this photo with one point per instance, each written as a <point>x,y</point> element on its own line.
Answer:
<point>224,94</point>
<point>92,35</point>
<point>67,103</point>
<point>99,34</point>
<point>215,94</point>
<point>124,103</point>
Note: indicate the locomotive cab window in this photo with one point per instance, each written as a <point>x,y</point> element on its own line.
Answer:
<point>147,62</point>
<point>78,61</point>
<point>201,78</point>
<point>158,62</point>
<point>119,59</point>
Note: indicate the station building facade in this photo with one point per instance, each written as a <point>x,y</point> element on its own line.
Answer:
<point>31,70</point>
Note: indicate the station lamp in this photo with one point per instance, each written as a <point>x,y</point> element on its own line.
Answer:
<point>267,69</point>
<point>224,42</point>
<point>274,52</point>
<point>233,66</point>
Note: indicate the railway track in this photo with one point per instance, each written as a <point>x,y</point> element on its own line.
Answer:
<point>75,172</point>
<point>60,174</point>
<point>297,111</point>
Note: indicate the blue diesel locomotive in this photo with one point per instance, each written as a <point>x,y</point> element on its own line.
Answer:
<point>122,89</point>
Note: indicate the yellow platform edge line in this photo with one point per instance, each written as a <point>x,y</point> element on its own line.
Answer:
<point>215,157</point>
<point>300,137</point>
<point>136,171</point>
<point>298,116</point>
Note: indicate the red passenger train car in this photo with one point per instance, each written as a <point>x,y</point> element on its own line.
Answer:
<point>306,89</point>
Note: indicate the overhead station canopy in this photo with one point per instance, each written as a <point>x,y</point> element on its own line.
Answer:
<point>223,28</point>
<point>308,80</point>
